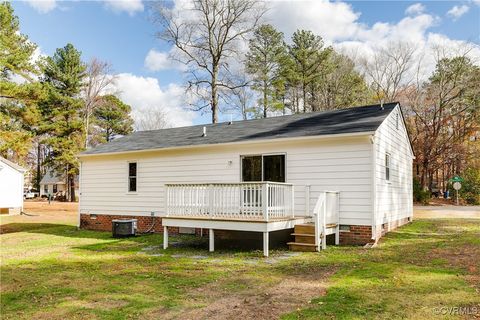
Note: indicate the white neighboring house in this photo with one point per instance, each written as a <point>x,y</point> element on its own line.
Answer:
<point>11,186</point>
<point>344,172</point>
<point>52,184</point>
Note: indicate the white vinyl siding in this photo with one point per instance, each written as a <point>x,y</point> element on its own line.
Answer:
<point>11,187</point>
<point>393,195</point>
<point>342,164</point>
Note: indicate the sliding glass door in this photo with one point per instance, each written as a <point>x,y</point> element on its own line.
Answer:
<point>264,168</point>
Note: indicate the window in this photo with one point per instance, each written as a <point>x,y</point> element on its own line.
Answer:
<point>274,168</point>
<point>264,168</point>
<point>387,167</point>
<point>55,188</point>
<point>45,189</point>
<point>132,177</point>
<point>252,168</point>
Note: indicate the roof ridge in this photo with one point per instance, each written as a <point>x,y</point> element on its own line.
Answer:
<point>306,114</point>
<point>353,120</point>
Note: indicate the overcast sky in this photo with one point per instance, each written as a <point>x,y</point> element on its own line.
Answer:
<point>120,32</point>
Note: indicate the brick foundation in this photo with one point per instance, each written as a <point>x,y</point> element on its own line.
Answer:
<point>361,235</point>
<point>357,235</point>
<point>103,222</point>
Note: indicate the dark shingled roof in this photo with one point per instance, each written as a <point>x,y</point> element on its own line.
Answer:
<point>351,120</point>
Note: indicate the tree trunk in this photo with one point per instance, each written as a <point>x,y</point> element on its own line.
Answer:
<point>87,124</point>
<point>38,178</point>
<point>72,187</point>
<point>265,104</point>
<point>214,97</point>
<point>304,93</point>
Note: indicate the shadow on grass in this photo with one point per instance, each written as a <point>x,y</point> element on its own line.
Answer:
<point>395,280</point>
<point>53,229</point>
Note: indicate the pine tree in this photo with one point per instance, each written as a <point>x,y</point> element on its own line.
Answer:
<point>308,55</point>
<point>112,117</point>
<point>267,51</point>
<point>341,86</point>
<point>18,111</point>
<point>64,75</point>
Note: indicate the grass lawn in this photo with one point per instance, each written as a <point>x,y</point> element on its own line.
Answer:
<point>53,271</point>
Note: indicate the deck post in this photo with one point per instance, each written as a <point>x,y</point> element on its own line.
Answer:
<point>211,240</point>
<point>324,223</point>
<point>337,235</point>
<point>165,237</point>
<point>293,202</point>
<point>265,201</point>
<point>307,200</point>
<point>265,244</point>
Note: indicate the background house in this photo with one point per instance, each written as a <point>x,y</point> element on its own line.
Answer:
<point>364,153</point>
<point>53,183</point>
<point>11,186</point>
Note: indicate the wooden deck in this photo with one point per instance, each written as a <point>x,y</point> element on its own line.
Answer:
<point>248,206</point>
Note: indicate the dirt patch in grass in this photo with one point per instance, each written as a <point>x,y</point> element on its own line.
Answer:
<point>466,257</point>
<point>252,301</point>
<point>40,214</point>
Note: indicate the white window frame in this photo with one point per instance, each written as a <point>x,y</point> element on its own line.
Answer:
<point>388,166</point>
<point>128,177</point>
<point>262,155</point>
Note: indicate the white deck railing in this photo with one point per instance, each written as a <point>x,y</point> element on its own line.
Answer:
<point>325,213</point>
<point>245,200</point>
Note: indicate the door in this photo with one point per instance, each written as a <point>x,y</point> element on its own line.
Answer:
<point>263,168</point>
<point>259,168</point>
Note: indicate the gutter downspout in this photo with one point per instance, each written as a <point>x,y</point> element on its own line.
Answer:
<point>374,187</point>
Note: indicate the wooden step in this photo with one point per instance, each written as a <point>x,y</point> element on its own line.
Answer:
<point>304,238</point>
<point>305,228</point>
<point>303,234</point>
<point>297,246</point>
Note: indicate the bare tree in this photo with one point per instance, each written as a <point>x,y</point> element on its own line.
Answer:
<point>98,79</point>
<point>389,70</point>
<point>241,100</point>
<point>150,119</point>
<point>444,115</point>
<point>207,35</point>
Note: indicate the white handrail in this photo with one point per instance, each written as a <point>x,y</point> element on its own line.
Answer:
<point>249,200</point>
<point>326,211</point>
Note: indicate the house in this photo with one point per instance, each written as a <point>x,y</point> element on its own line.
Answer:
<point>53,183</point>
<point>344,172</point>
<point>11,186</point>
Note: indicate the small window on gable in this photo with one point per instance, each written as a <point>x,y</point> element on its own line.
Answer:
<point>132,177</point>
<point>397,121</point>
<point>387,166</point>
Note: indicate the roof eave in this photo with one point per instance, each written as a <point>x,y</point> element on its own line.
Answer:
<point>328,136</point>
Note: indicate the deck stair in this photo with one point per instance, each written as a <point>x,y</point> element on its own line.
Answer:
<point>305,237</point>
<point>313,236</point>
